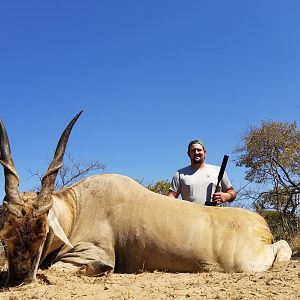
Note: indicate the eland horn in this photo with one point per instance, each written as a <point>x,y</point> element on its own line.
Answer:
<point>44,201</point>
<point>11,177</point>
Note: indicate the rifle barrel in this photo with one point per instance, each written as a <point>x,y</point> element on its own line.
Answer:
<point>222,169</point>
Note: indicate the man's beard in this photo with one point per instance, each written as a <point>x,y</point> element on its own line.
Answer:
<point>198,160</point>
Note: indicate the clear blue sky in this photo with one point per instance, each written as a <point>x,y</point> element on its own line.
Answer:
<point>149,75</point>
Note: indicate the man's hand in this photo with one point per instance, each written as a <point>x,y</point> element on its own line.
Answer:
<point>221,197</point>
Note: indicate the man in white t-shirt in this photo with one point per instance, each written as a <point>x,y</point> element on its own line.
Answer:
<point>197,182</point>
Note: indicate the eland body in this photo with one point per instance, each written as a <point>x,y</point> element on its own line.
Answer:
<point>110,222</point>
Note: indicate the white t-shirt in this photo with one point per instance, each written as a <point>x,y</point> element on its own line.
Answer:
<point>198,185</point>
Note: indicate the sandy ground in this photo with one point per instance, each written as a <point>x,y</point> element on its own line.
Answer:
<point>283,283</point>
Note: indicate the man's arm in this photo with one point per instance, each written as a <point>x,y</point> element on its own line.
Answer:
<point>232,194</point>
<point>172,194</point>
<point>175,186</point>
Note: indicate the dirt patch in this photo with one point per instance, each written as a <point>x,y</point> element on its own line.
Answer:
<point>281,283</point>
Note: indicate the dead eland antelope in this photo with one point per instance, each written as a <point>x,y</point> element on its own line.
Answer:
<point>111,223</point>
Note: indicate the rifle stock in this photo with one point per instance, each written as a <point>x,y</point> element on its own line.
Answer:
<point>220,176</point>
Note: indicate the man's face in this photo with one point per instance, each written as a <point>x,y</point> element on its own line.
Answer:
<point>196,154</point>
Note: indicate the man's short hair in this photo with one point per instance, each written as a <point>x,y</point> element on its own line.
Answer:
<point>195,142</point>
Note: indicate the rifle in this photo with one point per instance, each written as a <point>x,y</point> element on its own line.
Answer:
<point>221,173</point>
<point>220,176</point>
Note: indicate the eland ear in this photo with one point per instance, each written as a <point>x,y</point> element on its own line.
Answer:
<point>56,228</point>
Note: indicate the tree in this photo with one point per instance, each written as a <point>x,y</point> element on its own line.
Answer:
<point>268,151</point>
<point>160,187</point>
<point>72,171</point>
<point>271,154</point>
